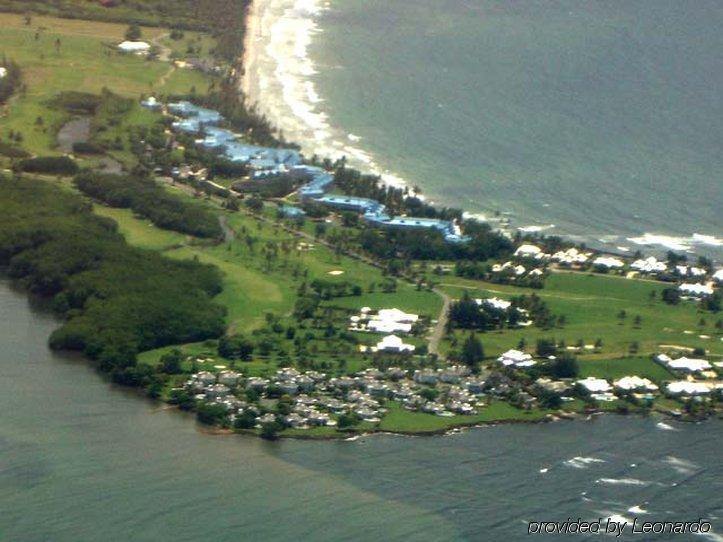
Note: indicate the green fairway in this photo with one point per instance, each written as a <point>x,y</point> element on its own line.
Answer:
<point>617,368</point>
<point>592,305</point>
<point>59,55</point>
<point>404,421</point>
<point>140,232</point>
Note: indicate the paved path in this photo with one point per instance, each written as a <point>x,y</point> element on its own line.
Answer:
<point>439,329</point>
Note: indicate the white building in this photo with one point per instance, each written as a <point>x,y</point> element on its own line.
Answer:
<point>392,343</point>
<point>571,256</point>
<point>696,290</point>
<point>395,315</point>
<point>691,365</point>
<point>516,358</point>
<point>3,72</point>
<point>495,303</point>
<point>135,47</point>
<point>634,383</point>
<point>595,385</point>
<point>649,265</point>
<point>527,251</point>
<point>684,387</point>
<point>608,262</point>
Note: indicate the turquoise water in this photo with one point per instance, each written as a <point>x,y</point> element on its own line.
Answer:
<point>81,460</point>
<point>600,117</point>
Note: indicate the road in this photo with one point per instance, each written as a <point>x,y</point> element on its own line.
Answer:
<point>441,326</point>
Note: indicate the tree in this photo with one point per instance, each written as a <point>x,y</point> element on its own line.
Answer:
<point>133,33</point>
<point>171,362</point>
<point>235,347</point>
<point>245,420</point>
<point>637,321</point>
<point>347,419</point>
<point>211,413</point>
<point>565,366</point>
<point>671,296</point>
<point>472,351</point>
<point>546,347</point>
<point>270,430</point>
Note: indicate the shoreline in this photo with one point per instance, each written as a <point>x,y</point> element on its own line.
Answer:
<point>301,121</point>
<point>249,60</point>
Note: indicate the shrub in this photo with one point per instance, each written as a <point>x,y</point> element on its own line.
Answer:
<point>55,165</point>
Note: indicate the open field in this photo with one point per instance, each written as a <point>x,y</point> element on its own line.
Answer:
<point>140,232</point>
<point>618,368</point>
<point>84,60</point>
<point>591,305</point>
<point>404,421</point>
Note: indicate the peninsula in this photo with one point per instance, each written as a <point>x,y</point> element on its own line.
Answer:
<point>193,253</point>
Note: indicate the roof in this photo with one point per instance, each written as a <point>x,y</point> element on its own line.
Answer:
<point>593,384</point>
<point>392,342</point>
<point>134,46</point>
<point>696,289</point>
<point>689,364</point>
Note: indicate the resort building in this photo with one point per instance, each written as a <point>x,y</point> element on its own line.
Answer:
<point>516,358</point>
<point>528,251</point>
<point>350,203</point>
<point>392,343</point>
<point>608,262</point>
<point>689,365</point>
<point>649,265</point>
<point>135,47</point>
<point>267,162</point>
<point>634,383</point>
<point>696,290</point>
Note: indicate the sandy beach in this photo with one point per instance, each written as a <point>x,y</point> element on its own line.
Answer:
<point>252,42</point>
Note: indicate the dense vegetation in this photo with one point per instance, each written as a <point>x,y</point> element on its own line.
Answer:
<point>149,200</point>
<point>117,300</point>
<point>484,244</point>
<point>51,165</point>
<point>183,14</point>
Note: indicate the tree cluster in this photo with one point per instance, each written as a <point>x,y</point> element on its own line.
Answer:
<point>117,300</point>
<point>146,198</point>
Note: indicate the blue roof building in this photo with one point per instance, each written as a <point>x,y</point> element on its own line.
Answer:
<point>350,203</point>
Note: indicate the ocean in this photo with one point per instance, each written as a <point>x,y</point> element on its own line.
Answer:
<point>82,460</point>
<point>599,120</point>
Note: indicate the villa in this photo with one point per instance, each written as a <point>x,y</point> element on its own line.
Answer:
<point>595,385</point>
<point>686,387</point>
<point>516,358</point>
<point>634,383</point>
<point>696,290</point>
<point>392,343</point>
<point>690,365</point>
<point>135,47</point>
<point>649,265</point>
<point>528,251</point>
<point>495,303</point>
<point>608,262</point>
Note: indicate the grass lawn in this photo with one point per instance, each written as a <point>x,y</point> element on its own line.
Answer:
<point>404,421</point>
<point>591,305</point>
<point>85,61</point>
<point>140,232</point>
<point>617,368</point>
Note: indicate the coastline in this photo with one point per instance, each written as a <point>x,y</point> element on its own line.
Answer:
<point>277,81</point>
<point>249,78</point>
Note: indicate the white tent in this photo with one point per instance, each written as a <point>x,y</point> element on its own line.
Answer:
<point>134,47</point>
